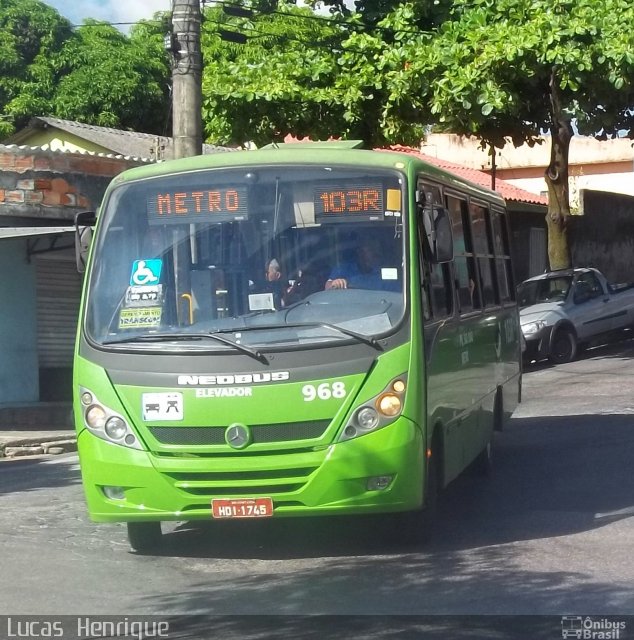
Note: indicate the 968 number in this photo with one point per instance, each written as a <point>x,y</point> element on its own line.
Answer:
<point>323,391</point>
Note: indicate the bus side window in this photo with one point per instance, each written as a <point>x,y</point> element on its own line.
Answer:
<point>441,290</point>
<point>465,274</point>
<point>437,285</point>
<point>502,255</point>
<point>483,245</point>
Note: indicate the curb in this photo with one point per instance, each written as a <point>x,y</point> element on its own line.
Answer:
<point>33,446</point>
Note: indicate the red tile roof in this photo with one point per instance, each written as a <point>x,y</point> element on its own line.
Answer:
<point>505,189</point>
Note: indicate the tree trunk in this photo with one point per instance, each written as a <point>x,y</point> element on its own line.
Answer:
<point>557,180</point>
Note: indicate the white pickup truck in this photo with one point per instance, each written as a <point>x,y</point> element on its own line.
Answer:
<point>563,311</point>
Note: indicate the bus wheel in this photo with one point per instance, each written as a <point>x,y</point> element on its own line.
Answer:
<point>416,527</point>
<point>144,537</point>
<point>564,347</point>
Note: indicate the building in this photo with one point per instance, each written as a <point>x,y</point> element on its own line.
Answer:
<point>597,165</point>
<point>54,134</point>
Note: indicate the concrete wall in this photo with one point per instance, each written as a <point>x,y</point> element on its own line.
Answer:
<point>604,236</point>
<point>18,325</point>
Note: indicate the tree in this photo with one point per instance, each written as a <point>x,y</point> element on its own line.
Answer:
<point>108,79</point>
<point>279,81</point>
<point>94,73</point>
<point>503,69</point>
<point>31,32</point>
<point>293,74</point>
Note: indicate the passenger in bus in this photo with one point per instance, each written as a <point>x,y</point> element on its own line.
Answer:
<point>274,281</point>
<point>365,272</point>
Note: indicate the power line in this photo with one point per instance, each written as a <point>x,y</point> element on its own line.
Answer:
<point>104,23</point>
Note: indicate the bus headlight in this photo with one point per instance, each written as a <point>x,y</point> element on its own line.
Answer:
<point>367,418</point>
<point>95,417</point>
<point>116,428</point>
<point>389,404</point>
<point>377,412</point>
<point>105,423</point>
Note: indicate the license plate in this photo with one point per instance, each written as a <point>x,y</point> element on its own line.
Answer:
<point>242,508</point>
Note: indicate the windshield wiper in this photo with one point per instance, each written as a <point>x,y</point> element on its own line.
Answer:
<point>168,337</point>
<point>369,340</point>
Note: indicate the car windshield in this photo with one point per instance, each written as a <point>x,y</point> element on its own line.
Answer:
<point>554,289</point>
<point>207,259</point>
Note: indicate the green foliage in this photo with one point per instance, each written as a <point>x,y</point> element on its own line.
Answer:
<point>280,82</point>
<point>310,76</point>
<point>111,80</point>
<point>92,74</point>
<point>30,32</point>
<point>487,69</point>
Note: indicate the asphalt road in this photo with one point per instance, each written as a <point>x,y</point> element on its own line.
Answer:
<point>551,533</point>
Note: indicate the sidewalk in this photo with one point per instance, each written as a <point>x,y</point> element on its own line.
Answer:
<point>27,442</point>
<point>37,429</point>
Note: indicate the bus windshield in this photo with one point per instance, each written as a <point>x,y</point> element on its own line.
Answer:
<point>251,257</point>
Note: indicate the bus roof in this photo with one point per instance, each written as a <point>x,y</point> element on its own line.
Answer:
<point>336,152</point>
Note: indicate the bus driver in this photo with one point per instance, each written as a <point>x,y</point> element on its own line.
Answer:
<point>363,273</point>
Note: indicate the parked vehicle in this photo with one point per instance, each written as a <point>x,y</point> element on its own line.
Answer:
<point>564,311</point>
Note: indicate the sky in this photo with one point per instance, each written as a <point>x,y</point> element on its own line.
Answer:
<point>109,10</point>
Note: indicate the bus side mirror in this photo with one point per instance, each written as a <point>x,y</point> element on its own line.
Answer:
<point>439,235</point>
<point>84,223</point>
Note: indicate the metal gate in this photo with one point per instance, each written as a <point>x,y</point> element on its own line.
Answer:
<point>58,295</point>
<point>538,256</point>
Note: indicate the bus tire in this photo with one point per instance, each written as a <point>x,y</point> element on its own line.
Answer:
<point>144,537</point>
<point>417,527</point>
<point>563,347</point>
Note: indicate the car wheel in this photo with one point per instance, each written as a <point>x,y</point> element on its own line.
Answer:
<point>563,347</point>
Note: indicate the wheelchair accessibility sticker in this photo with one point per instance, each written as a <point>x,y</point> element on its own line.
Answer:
<point>146,272</point>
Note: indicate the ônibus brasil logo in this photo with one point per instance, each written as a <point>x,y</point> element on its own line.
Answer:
<point>589,628</point>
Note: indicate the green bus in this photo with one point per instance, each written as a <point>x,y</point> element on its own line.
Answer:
<point>238,357</point>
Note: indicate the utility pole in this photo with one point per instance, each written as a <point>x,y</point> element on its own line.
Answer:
<point>186,79</point>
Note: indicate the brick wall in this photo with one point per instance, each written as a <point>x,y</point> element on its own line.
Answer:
<point>54,185</point>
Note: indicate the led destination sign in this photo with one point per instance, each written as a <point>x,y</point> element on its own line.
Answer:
<point>219,204</point>
<point>347,201</point>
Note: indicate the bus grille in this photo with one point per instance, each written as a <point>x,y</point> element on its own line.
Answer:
<point>286,432</point>
<point>240,483</point>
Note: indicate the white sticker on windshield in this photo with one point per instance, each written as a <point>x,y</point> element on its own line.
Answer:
<point>162,406</point>
<point>389,273</point>
<point>261,301</point>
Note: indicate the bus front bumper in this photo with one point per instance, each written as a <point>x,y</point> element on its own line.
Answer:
<point>343,478</point>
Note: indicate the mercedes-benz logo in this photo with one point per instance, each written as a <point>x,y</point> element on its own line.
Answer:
<point>238,436</point>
